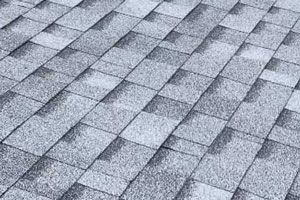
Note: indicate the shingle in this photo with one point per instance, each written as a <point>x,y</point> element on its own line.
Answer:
<point>200,128</point>
<point>81,146</point>
<point>156,25</point>
<point>14,110</point>
<point>185,146</point>
<point>227,35</point>
<point>200,21</point>
<point>253,52</point>
<point>262,4</point>
<point>42,85</point>
<point>124,58</point>
<point>286,130</point>
<point>103,182</point>
<point>112,69</point>
<point>26,26</point>
<point>180,42</point>
<point>243,18</point>
<point>294,102</point>
<point>222,98</point>
<point>70,62</point>
<point>47,12</point>
<point>169,108</point>
<point>6,84</point>
<point>281,17</point>
<point>47,126</point>
<point>243,70</point>
<point>151,74</point>
<point>123,158</point>
<point>197,190</point>
<point>244,195</point>
<point>14,163</point>
<point>15,193</point>
<point>267,35</point>
<point>16,69</point>
<point>79,19</point>
<point>93,84</point>
<point>129,96</point>
<point>3,53</point>
<point>223,4</point>
<point>70,3</point>
<point>137,43</point>
<point>149,129</point>
<point>174,10</point>
<point>257,114</point>
<point>227,160</point>
<point>49,178</point>
<point>170,57</point>
<point>210,58</point>
<point>109,118</point>
<point>163,177</point>
<point>34,53</point>
<point>137,8</point>
<point>289,5</point>
<point>9,40</point>
<point>185,86</point>
<point>56,37</point>
<point>273,171</point>
<point>81,192</point>
<point>295,188</point>
<point>11,11</point>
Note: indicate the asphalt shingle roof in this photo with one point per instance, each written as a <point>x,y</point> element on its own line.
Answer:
<point>149,99</point>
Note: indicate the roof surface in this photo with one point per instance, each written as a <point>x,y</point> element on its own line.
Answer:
<point>149,99</point>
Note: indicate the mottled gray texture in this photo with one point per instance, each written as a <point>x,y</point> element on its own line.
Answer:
<point>149,99</point>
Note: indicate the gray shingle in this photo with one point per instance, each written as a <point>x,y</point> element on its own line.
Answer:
<point>200,21</point>
<point>109,118</point>
<point>262,4</point>
<point>169,108</point>
<point>281,17</point>
<point>112,69</point>
<point>93,84</point>
<point>243,18</point>
<point>137,8</point>
<point>129,96</point>
<point>163,177</point>
<point>16,69</point>
<point>49,178</point>
<point>170,57</point>
<point>294,102</point>
<point>15,193</point>
<point>34,53</point>
<point>47,12</point>
<point>42,85</point>
<point>222,98</point>
<point>103,182</point>
<point>81,146</point>
<point>14,163</point>
<point>156,25</point>
<point>257,114</point>
<point>46,127</point>
<point>210,58</point>
<point>200,191</point>
<point>81,192</point>
<point>227,160</point>
<point>185,86</point>
<point>149,129</point>
<point>173,9</point>
<point>200,128</point>
<point>6,84</point>
<point>180,42</point>
<point>223,4</point>
<point>151,74</point>
<point>70,62</point>
<point>185,146</point>
<point>273,171</point>
<point>14,110</point>
<point>10,40</point>
<point>244,195</point>
<point>123,158</point>
<point>289,5</point>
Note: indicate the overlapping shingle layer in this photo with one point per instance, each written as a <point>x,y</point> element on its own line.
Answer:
<point>149,99</point>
